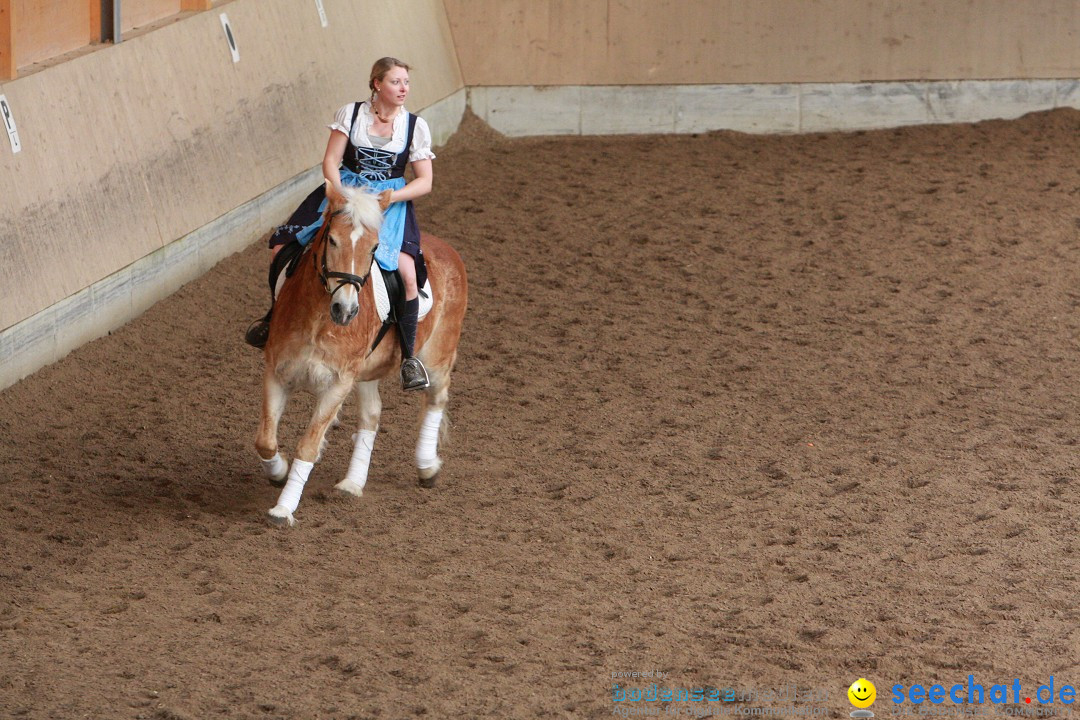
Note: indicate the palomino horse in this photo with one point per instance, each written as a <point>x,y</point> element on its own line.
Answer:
<point>323,326</point>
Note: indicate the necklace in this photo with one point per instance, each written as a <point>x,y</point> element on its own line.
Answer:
<point>378,114</point>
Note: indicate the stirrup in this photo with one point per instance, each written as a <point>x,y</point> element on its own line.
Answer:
<point>414,375</point>
<point>258,333</point>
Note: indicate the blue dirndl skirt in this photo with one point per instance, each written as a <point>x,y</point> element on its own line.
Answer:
<point>399,232</point>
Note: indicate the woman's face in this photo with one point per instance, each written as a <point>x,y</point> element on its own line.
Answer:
<point>394,87</point>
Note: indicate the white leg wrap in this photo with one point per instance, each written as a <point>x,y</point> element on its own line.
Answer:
<point>427,447</point>
<point>294,487</point>
<point>364,443</point>
<point>275,467</point>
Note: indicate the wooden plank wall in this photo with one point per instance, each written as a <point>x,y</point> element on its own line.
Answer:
<point>33,31</point>
<point>657,42</point>
<point>137,13</point>
<point>47,28</point>
<point>7,39</point>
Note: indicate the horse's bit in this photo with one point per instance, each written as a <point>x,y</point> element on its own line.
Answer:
<point>357,281</point>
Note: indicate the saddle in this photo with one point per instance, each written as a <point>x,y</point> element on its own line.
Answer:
<point>282,266</point>
<point>389,292</point>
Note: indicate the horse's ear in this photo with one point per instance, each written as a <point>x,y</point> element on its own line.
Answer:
<point>384,198</point>
<point>333,195</point>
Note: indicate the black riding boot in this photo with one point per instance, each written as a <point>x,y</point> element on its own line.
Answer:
<point>259,331</point>
<point>413,374</point>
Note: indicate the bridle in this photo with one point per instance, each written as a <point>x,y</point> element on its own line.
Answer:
<point>356,281</point>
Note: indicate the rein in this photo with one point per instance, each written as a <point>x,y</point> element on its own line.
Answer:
<point>325,275</point>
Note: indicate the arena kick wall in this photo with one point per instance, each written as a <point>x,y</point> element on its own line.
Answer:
<point>145,163</point>
<point>648,66</point>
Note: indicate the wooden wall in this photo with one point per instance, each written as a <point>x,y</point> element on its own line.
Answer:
<point>7,39</point>
<point>656,42</point>
<point>46,29</point>
<point>137,13</point>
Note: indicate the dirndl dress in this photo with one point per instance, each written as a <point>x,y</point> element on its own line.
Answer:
<point>377,170</point>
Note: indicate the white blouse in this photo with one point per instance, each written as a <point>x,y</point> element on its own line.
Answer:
<point>421,142</point>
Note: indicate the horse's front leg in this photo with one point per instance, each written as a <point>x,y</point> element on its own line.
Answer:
<point>275,466</point>
<point>307,452</point>
<point>364,439</point>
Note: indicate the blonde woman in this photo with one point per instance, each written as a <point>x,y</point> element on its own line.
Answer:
<point>371,143</point>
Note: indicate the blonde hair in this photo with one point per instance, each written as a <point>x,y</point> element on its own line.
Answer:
<point>383,66</point>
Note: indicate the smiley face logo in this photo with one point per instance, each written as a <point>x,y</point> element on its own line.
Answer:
<point>862,693</point>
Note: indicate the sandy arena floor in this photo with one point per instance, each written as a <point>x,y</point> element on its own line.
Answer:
<point>750,411</point>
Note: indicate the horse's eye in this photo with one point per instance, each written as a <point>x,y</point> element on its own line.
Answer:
<point>333,241</point>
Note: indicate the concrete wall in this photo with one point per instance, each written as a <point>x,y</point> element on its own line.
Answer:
<point>713,42</point>
<point>781,108</point>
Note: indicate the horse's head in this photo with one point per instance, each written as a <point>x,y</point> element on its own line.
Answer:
<point>346,245</point>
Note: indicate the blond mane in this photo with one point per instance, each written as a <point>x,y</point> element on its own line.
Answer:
<point>363,209</point>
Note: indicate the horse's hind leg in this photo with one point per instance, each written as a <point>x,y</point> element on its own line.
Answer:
<point>307,452</point>
<point>432,423</point>
<point>364,439</point>
<point>275,467</point>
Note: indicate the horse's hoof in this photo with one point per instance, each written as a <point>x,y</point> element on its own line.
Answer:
<point>347,487</point>
<point>429,475</point>
<point>280,516</point>
<point>276,470</point>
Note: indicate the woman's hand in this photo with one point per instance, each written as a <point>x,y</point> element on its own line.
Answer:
<point>419,186</point>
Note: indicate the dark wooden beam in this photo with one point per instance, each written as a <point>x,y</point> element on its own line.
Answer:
<point>7,40</point>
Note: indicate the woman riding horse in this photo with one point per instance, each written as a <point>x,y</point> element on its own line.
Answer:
<point>370,145</point>
<point>325,340</point>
